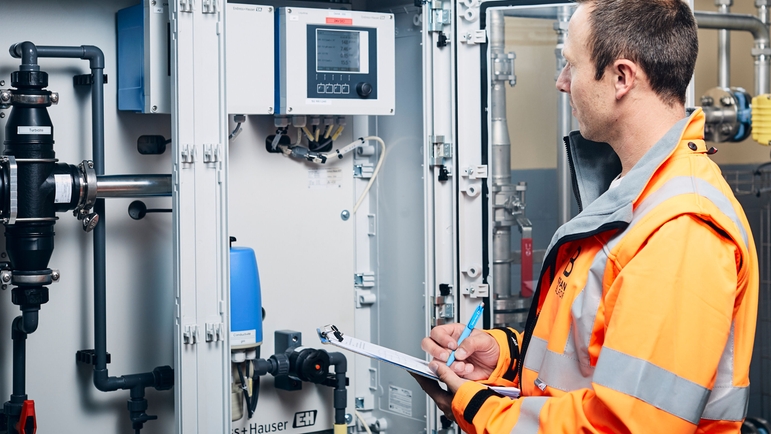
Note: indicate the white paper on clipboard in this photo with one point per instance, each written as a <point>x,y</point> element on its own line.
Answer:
<point>404,361</point>
<point>331,335</point>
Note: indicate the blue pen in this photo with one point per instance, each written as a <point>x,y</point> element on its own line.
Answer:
<point>467,331</point>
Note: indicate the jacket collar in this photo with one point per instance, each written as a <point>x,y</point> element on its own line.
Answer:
<point>594,165</point>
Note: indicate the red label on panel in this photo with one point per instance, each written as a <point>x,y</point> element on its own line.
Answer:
<point>340,21</point>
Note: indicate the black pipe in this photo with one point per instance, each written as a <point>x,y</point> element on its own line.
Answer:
<point>340,398</point>
<point>19,394</point>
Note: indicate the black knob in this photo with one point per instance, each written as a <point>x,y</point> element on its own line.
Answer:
<point>137,210</point>
<point>364,89</point>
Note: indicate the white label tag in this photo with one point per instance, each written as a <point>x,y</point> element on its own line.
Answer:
<point>325,178</point>
<point>63,188</point>
<point>400,400</point>
<point>243,337</point>
<point>314,101</point>
<point>33,130</point>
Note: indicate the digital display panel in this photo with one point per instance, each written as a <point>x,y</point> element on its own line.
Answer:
<point>338,51</point>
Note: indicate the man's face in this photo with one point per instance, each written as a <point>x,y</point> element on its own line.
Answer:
<point>591,100</point>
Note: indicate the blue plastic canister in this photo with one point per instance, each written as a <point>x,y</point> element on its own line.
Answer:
<point>245,299</point>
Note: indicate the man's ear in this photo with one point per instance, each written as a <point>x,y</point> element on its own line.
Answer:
<point>625,76</point>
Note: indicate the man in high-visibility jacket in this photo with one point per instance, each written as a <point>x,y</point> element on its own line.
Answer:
<point>644,315</point>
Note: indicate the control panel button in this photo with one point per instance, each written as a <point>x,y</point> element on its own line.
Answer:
<point>346,89</point>
<point>337,89</point>
<point>328,89</point>
<point>319,88</point>
<point>364,89</point>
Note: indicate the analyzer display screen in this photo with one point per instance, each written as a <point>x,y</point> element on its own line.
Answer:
<point>338,51</point>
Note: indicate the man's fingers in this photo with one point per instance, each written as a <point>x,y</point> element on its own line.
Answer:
<point>447,376</point>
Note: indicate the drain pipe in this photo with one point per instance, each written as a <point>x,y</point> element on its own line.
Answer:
<point>564,121</point>
<point>162,377</point>
<point>761,51</point>
<point>500,163</point>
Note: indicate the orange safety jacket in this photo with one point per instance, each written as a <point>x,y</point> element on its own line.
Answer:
<point>646,305</point>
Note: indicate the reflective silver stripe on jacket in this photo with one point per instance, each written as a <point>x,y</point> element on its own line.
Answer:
<point>727,402</point>
<point>649,383</point>
<point>528,415</point>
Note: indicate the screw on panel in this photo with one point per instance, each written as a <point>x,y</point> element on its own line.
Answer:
<point>2,115</point>
<point>2,82</point>
<point>345,215</point>
<point>154,108</point>
<point>55,275</point>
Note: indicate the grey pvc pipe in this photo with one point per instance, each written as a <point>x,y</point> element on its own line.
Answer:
<point>133,185</point>
<point>747,23</point>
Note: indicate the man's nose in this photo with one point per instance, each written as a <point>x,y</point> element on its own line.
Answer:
<point>563,82</point>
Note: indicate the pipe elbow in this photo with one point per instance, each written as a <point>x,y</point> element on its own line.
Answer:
<point>339,361</point>
<point>27,51</point>
<point>94,55</point>
<point>29,321</point>
<point>101,380</point>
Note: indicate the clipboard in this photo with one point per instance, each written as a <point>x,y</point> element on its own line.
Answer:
<point>331,335</point>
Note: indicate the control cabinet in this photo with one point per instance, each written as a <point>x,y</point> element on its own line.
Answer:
<point>334,62</point>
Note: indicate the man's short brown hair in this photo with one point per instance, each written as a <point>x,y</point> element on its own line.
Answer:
<point>659,35</point>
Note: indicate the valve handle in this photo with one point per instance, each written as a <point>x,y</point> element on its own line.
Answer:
<point>27,421</point>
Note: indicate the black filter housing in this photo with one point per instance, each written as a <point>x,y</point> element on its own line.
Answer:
<point>29,138</point>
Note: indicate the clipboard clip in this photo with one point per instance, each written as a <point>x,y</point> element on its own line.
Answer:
<point>330,329</point>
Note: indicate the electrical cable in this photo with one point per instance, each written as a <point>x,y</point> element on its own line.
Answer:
<point>244,389</point>
<point>361,419</point>
<point>308,133</point>
<point>235,132</point>
<point>255,390</point>
<point>374,173</point>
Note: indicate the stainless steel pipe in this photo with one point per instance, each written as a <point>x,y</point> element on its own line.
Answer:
<point>500,163</point>
<point>564,123</point>
<point>747,23</point>
<point>133,185</point>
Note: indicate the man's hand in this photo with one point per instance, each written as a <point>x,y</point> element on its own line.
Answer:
<point>441,397</point>
<point>474,360</point>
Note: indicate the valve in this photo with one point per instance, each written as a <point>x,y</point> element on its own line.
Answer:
<point>27,421</point>
<point>728,116</point>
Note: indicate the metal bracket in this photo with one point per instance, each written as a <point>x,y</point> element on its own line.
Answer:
<point>440,16</point>
<point>444,310</point>
<point>186,6</point>
<point>475,37</point>
<point>364,280</point>
<point>209,6</point>
<point>214,332</point>
<point>13,190</point>
<point>475,172</point>
<point>440,150</point>
<point>503,68</point>
<point>187,156</point>
<point>190,335</point>
<point>211,153</point>
<point>477,290</point>
<point>363,171</point>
